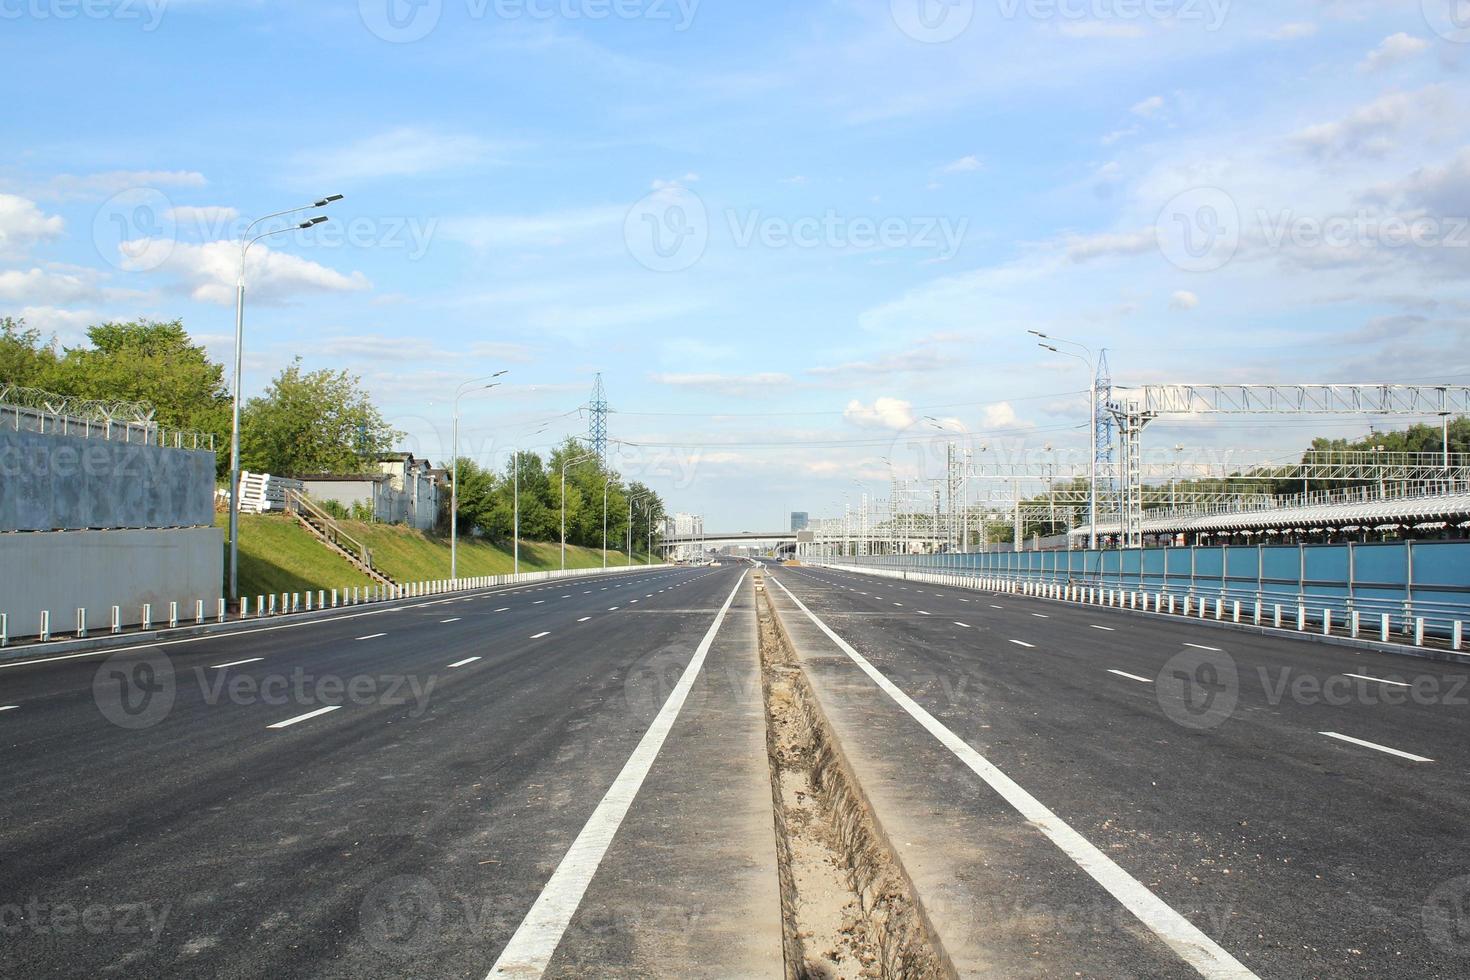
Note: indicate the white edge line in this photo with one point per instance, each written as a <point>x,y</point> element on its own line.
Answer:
<point>1376,747</point>
<point>306,717</point>
<point>1131,677</point>
<point>1185,938</point>
<point>530,950</point>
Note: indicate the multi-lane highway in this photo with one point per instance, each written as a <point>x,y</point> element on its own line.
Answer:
<point>388,793</point>
<point>1197,759</point>
<point>571,779</point>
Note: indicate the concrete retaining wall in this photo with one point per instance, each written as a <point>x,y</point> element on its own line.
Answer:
<point>61,571</point>
<point>51,482</point>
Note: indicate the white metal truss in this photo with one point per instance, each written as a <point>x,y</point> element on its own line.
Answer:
<point>1135,407</point>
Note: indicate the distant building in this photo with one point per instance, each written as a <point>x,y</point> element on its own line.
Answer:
<point>684,526</point>
<point>800,520</point>
<point>405,490</point>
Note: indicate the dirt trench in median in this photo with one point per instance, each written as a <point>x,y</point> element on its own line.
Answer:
<point>847,907</point>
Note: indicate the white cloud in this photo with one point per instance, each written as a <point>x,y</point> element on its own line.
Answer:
<point>885,413</point>
<point>68,325</point>
<point>50,287</point>
<point>1395,50</point>
<point>22,225</point>
<point>1083,248</point>
<point>1295,31</point>
<point>210,222</point>
<point>1001,415</point>
<point>1371,129</point>
<point>1149,107</point>
<point>403,152</point>
<point>208,272</point>
<point>1183,300</point>
<point>964,165</point>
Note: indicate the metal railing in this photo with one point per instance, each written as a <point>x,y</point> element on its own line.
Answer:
<point>145,433</point>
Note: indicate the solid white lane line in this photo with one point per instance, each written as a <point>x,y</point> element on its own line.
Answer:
<point>237,663</point>
<point>373,636</point>
<point>965,625</point>
<point>1376,747</point>
<point>1131,677</point>
<point>1186,939</point>
<point>529,951</point>
<point>464,663</point>
<point>1023,643</point>
<point>445,622</point>
<point>1380,680</point>
<point>306,717</point>
<point>584,619</point>
<point>540,635</point>
<point>1198,647</point>
<point>1105,629</point>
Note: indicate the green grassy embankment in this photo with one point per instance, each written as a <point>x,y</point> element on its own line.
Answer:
<point>278,555</point>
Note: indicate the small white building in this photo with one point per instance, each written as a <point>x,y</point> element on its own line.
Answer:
<point>405,490</point>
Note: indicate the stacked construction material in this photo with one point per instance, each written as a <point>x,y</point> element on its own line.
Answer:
<point>261,492</point>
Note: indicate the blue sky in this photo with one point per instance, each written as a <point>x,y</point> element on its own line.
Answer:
<point>860,208</point>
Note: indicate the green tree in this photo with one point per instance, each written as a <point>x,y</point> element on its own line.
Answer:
<point>313,422</point>
<point>24,359</point>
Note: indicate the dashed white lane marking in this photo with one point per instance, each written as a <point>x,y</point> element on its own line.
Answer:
<point>612,608</point>
<point>237,663</point>
<point>529,951</point>
<point>464,663</point>
<point>1376,747</point>
<point>584,619</point>
<point>1380,680</point>
<point>1198,647</point>
<point>965,625</point>
<point>1023,643</point>
<point>898,604</point>
<point>373,636</point>
<point>445,622</point>
<point>962,600</point>
<point>539,602</point>
<point>1131,677</point>
<point>503,609</point>
<point>993,606</point>
<point>1041,616</point>
<point>922,613</point>
<point>540,635</point>
<point>1186,939</point>
<point>306,717</point>
<point>1105,629</point>
<point>9,707</point>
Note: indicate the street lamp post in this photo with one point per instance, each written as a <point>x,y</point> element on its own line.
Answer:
<point>1091,362</point>
<point>459,393</point>
<point>245,242</point>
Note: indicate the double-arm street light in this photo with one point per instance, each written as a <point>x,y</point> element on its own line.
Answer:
<point>477,384</point>
<point>1091,361</point>
<point>564,465</point>
<point>246,240</point>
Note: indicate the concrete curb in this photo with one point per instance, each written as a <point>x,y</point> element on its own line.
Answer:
<point>1377,646</point>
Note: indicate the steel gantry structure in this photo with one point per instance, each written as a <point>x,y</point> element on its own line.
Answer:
<point>1134,408</point>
